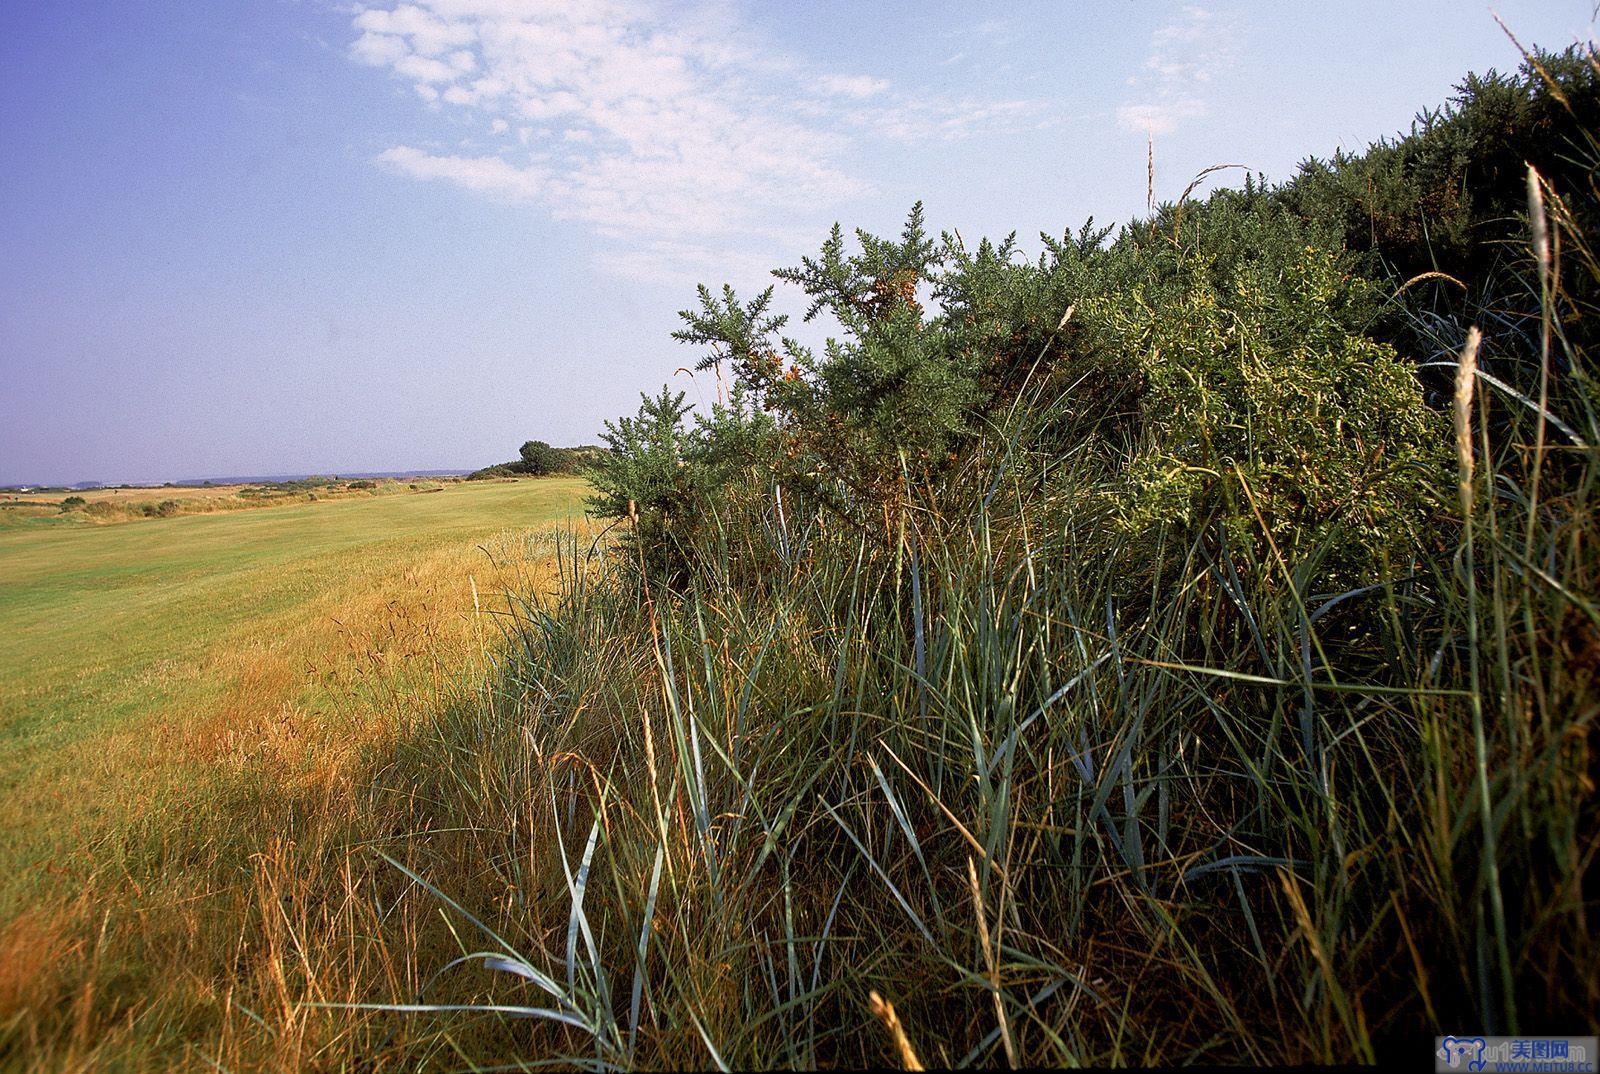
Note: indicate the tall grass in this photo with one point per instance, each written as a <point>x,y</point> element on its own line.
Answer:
<point>991,784</point>
<point>992,779</point>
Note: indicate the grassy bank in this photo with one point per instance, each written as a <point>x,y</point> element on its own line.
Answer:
<point>1176,649</point>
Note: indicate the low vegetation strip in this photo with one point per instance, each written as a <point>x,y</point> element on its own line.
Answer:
<point>132,503</point>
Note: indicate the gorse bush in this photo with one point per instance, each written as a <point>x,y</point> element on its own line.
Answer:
<point>646,474</point>
<point>1242,395</point>
<point>890,393</point>
<point>1258,407</point>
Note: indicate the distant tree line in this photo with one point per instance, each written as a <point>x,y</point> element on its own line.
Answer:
<point>538,459</point>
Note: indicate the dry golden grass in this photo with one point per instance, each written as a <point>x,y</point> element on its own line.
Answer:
<point>147,931</point>
<point>131,495</point>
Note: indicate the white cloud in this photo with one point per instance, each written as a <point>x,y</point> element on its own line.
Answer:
<point>379,50</point>
<point>1186,53</point>
<point>490,174</point>
<point>424,69</point>
<point>679,136</point>
<point>427,33</point>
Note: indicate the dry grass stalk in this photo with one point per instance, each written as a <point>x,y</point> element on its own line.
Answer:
<point>1422,277</point>
<point>885,1013</point>
<point>1466,377</point>
<point>990,954</point>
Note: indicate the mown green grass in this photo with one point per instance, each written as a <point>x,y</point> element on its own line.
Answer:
<point>116,627</point>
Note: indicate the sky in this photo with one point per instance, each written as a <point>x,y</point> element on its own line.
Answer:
<point>301,236</point>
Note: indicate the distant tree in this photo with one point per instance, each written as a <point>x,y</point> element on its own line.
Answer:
<point>539,458</point>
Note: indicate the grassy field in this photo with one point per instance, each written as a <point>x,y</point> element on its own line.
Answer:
<point>140,494</point>
<point>105,506</point>
<point>154,672</point>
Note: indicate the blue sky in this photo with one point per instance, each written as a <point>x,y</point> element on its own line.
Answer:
<point>297,236</point>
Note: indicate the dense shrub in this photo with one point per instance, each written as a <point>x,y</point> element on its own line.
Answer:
<point>1448,203</point>
<point>1123,600</point>
<point>1110,658</point>
<point>537,459</point>
<point>1259,407</point>
<point>1214,387</point>
<point>488,473</point>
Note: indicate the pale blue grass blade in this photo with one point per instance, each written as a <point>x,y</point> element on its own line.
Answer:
<point>543,1013</point>
<point>448,901</point>
<point>643,950</point>
<point>882,875</point>
<point>1010,741</point>
<point>716,1056</point>
<point>911,836</point>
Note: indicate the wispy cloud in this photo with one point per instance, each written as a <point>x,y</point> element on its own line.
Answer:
<point>1186,54</point>
<point>670,133</point>
<point>475,173</point>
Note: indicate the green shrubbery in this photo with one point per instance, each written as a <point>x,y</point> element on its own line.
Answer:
<point>1247,342</point>
<point>537,459</point>
<point>1261,409</point>
<point>1240,392</point>
<point>1114,657</point>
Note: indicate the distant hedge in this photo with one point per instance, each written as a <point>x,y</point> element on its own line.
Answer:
<point>538,459</point>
